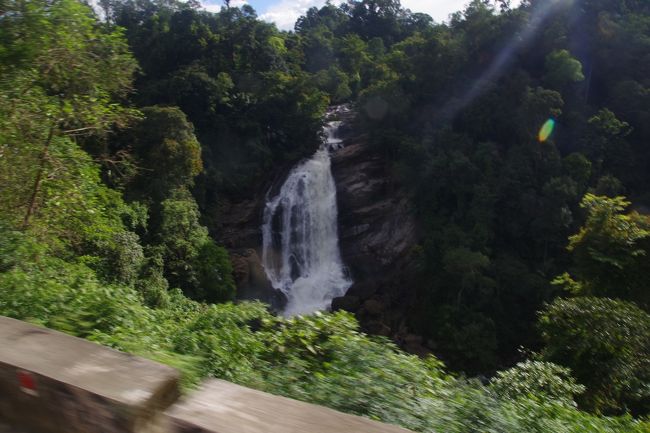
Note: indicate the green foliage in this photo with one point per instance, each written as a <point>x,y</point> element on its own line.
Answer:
<point>607,146</point>
<point>322,359</point>
<point>152,283</point>
<point>606,344</point>
<point>606,123</point>
<point>59,49</point>
<point>455,110</point>
<point>610,250</point>
<point>61,85</point>
<point>334,82</point>
<point>192,260</point>
<point>228,72</point>
<point>316,357</point>
<point>579,168</point>
<point>562,69</point>
<point>44,289</point>
<point>166,152</point>
<point>215,272</point>
<point>61,74</point>
<point>537,380</point>
<point>609,185</point>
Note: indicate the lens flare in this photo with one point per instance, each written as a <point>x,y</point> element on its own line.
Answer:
<point>546,130</point>
<point>540,11</point>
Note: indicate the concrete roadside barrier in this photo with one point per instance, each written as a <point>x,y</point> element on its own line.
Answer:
<point>52,382</point>
<point>223,407</point>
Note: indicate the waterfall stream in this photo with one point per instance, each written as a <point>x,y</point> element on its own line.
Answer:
<point>301,253</point>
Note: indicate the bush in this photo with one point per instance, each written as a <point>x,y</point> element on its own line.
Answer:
<point>323,358</point>
<point>606,343</point>
<point>537,380</point>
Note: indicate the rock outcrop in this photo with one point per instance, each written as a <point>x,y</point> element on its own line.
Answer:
<point>239,231</point>
<point>251,280</point>
<point>377,232</point>
<point>376,225</point>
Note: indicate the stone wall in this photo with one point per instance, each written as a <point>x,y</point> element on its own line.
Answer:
<point>54,383</point>
<point>224,407</point>
<point>49,380</point>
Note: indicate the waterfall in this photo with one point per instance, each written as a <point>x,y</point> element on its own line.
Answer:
<point>301,253</point>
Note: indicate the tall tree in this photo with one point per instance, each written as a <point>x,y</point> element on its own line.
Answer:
<point>610,251</point>
<point>61,60</point>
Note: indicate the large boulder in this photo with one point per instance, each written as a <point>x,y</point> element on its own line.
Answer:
<point>251,280</point>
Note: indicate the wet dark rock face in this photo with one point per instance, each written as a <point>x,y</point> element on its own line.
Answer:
<point>239,231</point>
<point>377,234</point>
<point>376,226</point>
<point>252,282</point>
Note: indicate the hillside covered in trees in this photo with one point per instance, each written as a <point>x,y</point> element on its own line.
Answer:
<point>520,135</point>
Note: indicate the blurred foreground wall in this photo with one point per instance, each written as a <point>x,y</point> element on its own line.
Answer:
<point>54,383</point>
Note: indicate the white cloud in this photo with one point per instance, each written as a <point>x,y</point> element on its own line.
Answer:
<point>211,7</point>
<point>215,5</point>
<point>285,13</point>
<point>438,9</point>
<point>441,9</point>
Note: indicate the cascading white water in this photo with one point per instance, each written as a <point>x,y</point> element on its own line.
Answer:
<point>301,253</point>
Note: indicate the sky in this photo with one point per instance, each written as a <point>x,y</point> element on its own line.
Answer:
<point>284,13</point>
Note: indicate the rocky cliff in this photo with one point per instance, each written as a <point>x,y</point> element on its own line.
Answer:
<point>377,232</point>
<point>239,231</point>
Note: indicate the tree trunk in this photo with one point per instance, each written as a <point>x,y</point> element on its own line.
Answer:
<point>39,178</point>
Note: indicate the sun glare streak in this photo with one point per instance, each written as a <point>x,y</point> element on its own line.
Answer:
<point>538,16</point>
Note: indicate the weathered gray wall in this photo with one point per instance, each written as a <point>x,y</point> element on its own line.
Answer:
<point>223,407</point>
<point>79,386</point>
<point>82,387</point>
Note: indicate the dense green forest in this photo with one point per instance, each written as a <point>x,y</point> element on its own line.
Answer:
<point>521,135</point>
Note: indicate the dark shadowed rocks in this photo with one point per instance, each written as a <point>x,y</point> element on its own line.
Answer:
<point>377,234</point>
<point>239,230</point>
<point>251,280</point>
<point>346,303</point>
